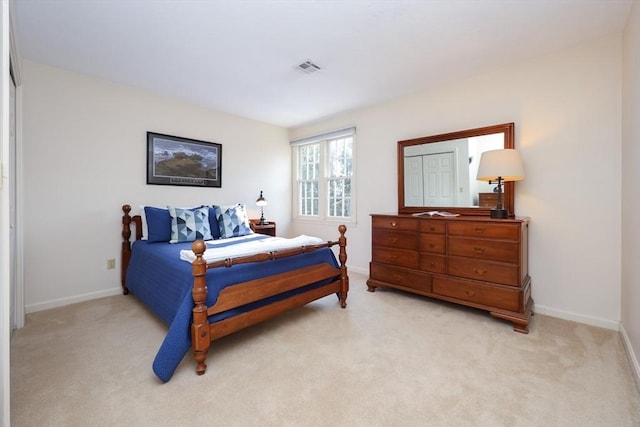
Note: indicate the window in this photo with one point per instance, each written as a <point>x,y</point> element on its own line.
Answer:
<point>324,173</point>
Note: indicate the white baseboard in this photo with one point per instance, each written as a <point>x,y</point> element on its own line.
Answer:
<point>633,359</point>
<point>60,302</point>
<point>580,318</point>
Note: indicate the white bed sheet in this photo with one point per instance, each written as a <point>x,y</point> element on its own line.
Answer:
<point>216,253</point>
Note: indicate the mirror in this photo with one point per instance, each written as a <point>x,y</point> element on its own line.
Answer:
<point>438,172</point>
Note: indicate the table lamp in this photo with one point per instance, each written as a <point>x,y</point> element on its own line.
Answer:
<point>498,166</point>
<point>262,202</point>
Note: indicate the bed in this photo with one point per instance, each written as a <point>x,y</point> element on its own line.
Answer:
<point>202,299</point>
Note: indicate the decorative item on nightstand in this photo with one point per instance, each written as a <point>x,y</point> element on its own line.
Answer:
<point>498,166</point>
<point>262,202</point>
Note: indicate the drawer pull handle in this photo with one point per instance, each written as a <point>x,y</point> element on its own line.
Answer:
<point>394,224</point>
<point>393,258</point>
<point>431,245</point>
<point>480,272</point>
<point>479,229</point>
<point>397,277</point>
<point>479,250</point>
<point>393,239</point>
<point>432,228</point>
<point>432,264</point>
<point>471,293</point>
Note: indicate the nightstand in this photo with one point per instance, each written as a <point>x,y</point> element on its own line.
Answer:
<point>269,228</point>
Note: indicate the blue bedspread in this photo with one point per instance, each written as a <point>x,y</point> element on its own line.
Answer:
<point>163,282</point>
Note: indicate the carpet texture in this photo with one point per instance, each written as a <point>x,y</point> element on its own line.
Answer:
<point>389,359</point>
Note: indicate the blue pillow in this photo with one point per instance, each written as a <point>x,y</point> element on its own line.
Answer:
<point>158,224</point>
<point>188,225</point>
<point>233,221</point>
<point>213,222</point>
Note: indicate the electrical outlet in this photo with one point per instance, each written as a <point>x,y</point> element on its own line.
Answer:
<point>111,264</point>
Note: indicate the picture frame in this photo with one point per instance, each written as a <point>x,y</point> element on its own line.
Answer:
<point>173,160</point>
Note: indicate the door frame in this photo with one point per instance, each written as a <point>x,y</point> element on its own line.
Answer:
<point>18,320</point>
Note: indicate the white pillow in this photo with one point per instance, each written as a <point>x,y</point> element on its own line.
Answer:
<point>145,227</point>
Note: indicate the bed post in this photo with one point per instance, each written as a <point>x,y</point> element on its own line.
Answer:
<point>125,252</point>
<point>344,277</point>
<point>200,340</point>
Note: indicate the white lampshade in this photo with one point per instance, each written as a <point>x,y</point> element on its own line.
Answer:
<point>504,164</point>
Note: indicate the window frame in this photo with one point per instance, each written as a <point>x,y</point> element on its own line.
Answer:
<point>323,142</point>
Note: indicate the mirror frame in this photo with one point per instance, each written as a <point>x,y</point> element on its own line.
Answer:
<point>508,187</point>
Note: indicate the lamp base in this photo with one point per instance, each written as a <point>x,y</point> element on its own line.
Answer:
<point>262,220</point>
<point>499,213</point>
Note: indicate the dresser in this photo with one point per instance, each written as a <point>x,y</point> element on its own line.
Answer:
<point>470,260</point>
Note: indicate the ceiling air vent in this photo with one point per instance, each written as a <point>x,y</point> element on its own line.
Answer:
<point>308,67</point>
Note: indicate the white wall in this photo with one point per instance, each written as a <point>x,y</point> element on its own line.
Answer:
<point>85,156</point>
<point>5,181</point>
<point>630,187</point>
<point>567,111</point>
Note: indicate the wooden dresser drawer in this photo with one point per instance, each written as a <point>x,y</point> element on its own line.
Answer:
<point>487,249</point>
<point>490,271</point>
<point>395,223</point>
<point>477,293</point>
<point>485,229</point>
<point>433,226</point>
<point>433,263</point>
<point>399,257</point>
<point>433,243</point>
<point>400,276</point>
<point>394,238</point>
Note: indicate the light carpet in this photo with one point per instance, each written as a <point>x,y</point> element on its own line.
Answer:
<point>389,359</point>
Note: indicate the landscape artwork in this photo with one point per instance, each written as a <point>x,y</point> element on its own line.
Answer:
<point>173,160</point>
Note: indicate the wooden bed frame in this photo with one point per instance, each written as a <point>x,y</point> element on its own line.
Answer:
<point>202,332</point>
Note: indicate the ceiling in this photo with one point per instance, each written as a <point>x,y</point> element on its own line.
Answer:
<point>240,57</point>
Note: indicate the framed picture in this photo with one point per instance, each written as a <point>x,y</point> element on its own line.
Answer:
<point>172,160</point>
